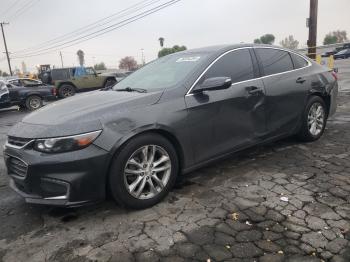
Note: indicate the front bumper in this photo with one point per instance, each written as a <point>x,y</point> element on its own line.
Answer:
<point>66,179</point>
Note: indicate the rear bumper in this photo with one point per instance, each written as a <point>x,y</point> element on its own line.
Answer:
<point>50,98</point>
<point>333,103</point>
<point>67,179</point>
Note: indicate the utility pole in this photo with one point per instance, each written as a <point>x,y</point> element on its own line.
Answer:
<point>61,59</point>
<point>7,52</point>
<point>312,42</point>
<point>143,56</point>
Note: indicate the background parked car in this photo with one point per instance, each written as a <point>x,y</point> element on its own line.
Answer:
<point>4,95</point>
<point>343,54</point>
<point>29,93</point>
<point>70,80</point>
<point>336,50</point>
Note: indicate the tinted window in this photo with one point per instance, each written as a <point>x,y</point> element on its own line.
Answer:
<point>60,74</point>
<point>15,82</point>
<point>274,61</point>
<point>298,61</point>
<point>29,82</point>
<point>237,65</point>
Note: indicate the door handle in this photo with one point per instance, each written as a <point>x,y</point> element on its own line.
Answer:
<point>300,80</point>
<point>253,90</point>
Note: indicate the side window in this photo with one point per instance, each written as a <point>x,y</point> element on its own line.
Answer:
<point>274,61</point>
<point>298,61</point>
<point>15,82</point>
<point>90,71</point>
<point>236,64</point>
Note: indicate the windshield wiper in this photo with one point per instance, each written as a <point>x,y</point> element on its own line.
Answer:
<point>129,89</point>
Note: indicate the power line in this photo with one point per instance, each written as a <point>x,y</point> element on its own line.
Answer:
<point>105,30</point>
<point>88,27</point>
<point>24,9</point>
<point>10,7</point>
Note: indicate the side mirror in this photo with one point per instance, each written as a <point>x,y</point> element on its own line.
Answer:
<point>214,83</point>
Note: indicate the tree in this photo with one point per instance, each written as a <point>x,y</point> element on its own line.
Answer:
<point>100,66</point>
<point>290,42</point>
<point>161,41</point>
<point>267,39</point>
<point>166,51</point>
<point>329,40</point>
<point>335,37</point>
<point>81,57</point>
<point>128,63</point>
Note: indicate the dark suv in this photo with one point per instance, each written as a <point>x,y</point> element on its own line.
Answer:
<point>70,80</point>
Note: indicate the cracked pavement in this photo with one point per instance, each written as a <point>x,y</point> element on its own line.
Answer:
<point>286,201</point>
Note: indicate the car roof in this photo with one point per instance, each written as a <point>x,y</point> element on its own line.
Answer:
<point>217,49</point>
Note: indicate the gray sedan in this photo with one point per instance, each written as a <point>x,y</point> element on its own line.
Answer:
<point>170,117</point>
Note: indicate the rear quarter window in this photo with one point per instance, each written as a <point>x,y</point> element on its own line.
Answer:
<point>274,61</point>
<point>60,74</point>
<point>299,62</point>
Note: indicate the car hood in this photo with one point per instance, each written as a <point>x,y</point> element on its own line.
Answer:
<point>81,113</point>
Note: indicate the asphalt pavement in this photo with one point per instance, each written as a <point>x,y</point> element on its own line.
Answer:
<point>286,201</point>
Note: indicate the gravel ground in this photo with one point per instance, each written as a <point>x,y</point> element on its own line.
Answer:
<point>286,201</point>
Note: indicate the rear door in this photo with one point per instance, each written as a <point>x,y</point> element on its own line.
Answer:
<point>286,84</point>
<point>223,120</point>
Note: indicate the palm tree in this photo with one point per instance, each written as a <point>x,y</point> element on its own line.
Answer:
<point>81,57</point>
<point>161,41</point>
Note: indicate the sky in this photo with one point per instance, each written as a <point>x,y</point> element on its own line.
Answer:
<point>193,23</point>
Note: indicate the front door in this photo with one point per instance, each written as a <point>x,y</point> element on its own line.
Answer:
<point>224,120</point>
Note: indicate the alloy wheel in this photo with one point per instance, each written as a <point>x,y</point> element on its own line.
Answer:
<point>316,119</point>
<point>147,171</point>
<point>35,103</point>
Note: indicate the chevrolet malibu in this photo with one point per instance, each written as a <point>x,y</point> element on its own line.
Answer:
<point>172,116</point>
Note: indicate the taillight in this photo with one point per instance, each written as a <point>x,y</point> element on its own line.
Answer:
<point>334,74</point>
<point>54,91</point>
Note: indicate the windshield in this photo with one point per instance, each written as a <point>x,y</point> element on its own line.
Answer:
<point>162,73</point>
<point>343,52</point>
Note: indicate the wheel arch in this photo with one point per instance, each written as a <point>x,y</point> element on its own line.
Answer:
<point>325,97</point>
<point>109,78</point>
<point>66,83</point>
<point>159,131</point>
<point>162,132</point>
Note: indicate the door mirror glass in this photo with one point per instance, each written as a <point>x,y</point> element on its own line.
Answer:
<point>214,83</point>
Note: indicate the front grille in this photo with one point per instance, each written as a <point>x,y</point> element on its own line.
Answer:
<point>16,167</point>
<point>17,141</point>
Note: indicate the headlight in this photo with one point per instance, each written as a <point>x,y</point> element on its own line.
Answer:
<point>64,144</point>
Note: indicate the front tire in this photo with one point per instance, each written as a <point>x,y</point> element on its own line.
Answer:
<point>143,171</point>
<point>33,103</point>
<point>314,120</point>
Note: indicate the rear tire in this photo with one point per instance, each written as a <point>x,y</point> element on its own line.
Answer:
<point>34,102</point>
<point>314,120</point>
<point>143,171</point>
<point>66,90</point>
